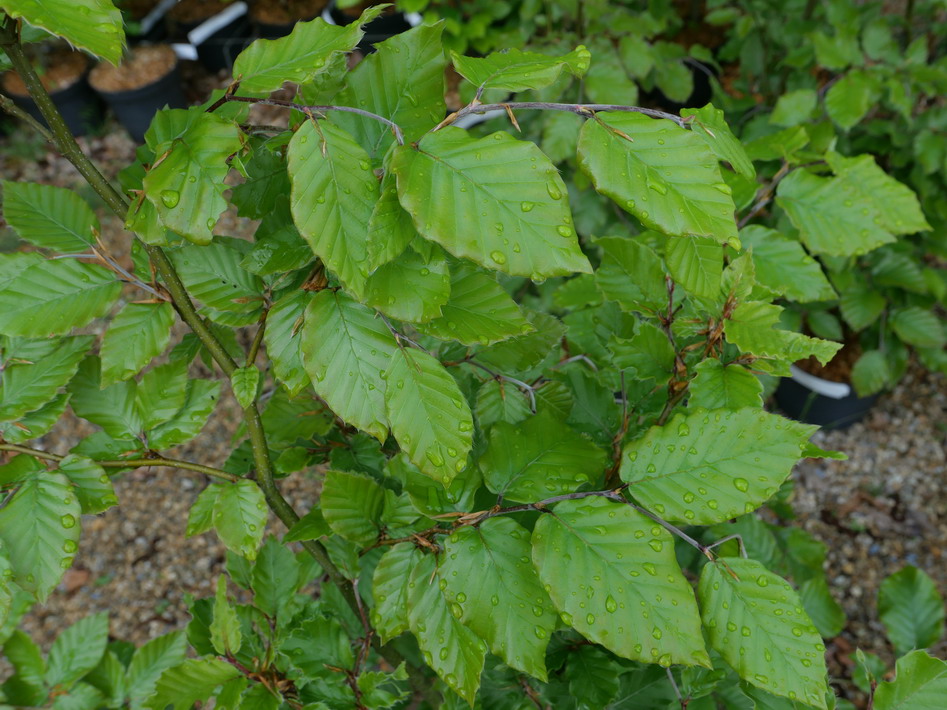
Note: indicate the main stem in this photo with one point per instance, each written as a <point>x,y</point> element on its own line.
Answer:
<point>69,148</point>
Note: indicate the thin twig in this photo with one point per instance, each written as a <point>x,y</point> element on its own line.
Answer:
<point>257,340</point>
<point>310,109</point>
<point>586,110</point>
<point>130,463</point>
<point>6,103</point>
<point>530,391</point>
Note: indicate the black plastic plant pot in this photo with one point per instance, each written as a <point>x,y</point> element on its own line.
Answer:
<point>378,30</point>
<point>219,39</point>
<point>79,105</point>
<point>831,405</point>
<point>136,108</point>
<point>268,30</point>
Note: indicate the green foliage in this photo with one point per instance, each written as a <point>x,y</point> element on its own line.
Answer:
<point>911,609</point>
<point>536,415</point>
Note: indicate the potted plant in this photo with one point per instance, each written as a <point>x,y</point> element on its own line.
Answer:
<point>146,81</point>
<point>64,75</point>
<point>218,29</point>
<point>144,19</point>
<point>276,18</point>
<point>389,23</point>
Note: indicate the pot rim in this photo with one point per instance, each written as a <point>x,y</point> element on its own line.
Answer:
<point>826,388</point>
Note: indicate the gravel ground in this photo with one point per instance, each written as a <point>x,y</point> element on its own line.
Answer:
<point>883,508</point>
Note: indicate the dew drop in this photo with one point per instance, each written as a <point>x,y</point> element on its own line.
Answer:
<point>68,521</point>
<point>741,484</point>
<point>170,198</point>
<point>498,256</point>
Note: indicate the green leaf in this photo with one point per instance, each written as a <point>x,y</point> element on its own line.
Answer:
<point>200,519</point>
<point>390,229</point>
<point>212,274</point>
<point>389,616</point>
<point>161,392</point>
<point>244,381</point>
<point>93,25</point>
<point>489,576</point>
<point>709,123</point>
<point>186,183</point>
<point>920,684</point>
<point>794,108</point>
<point>27,386</point>
<point>138,333</point>
<point>150,661</point>
<point>53,297</point>
<point>410,288</point>
<point>515,70</point>
<point>225,628</point>
<point>311,526</point>
<point>631,274</point>
<point>478,310</point>
<point>77,650</point>
<point>860,306</point>
<point>352,505</point>
<point>626,562</point>
<point>747,608</point>
<point>275,575</point>
<point>27,659</point>
<point>112,408</point>
<point>318,642</point>
<point>825,612</point>
<point>108,677</point>
<point>200,398</point>
<point>719,386</point>
<point>911,609</point>
<point>279,247</point>
<point>39,529</point>
<point>240,516</point>
<point>784,267</point>
<point>751,328</point>
<point>266,182</point>
<point>918,326</point>
<point>36,423</point>
<point>49,217</point>
<point>901,213</point>
<point>495,200</point>
<point>451,649</point>
<point>299,57</point>
<point>649,354</point>
<point>333,195</point>
<point>849,98</point>
<point>339,337</point>
<point>431,497</point>
<point>593,675</point>
<point>403,81</point>
<point>429,415</point>
<point>538,458</point>
<point>500,401</point>
<point>870,373</point>
<point>92,485</point>
<point>665,176</point>
<point>282,337</point>
<point>194,680</point>
<point>831,216</point>
<point>696,468</point>
<point>696,263</point>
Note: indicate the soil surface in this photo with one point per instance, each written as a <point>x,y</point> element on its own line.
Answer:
<point>188,11</point>
<point>839,368</point>
<point>143,66</point>
<point>62,70</point>
<point>281,12</point>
